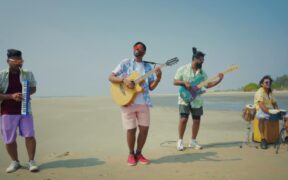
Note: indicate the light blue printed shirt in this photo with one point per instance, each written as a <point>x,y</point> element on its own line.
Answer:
<point>24,75</point>
<point>127,66</point>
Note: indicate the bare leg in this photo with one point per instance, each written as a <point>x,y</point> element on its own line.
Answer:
<point>182,127</point>
<point>195,128</point>
<point>261,126</point>
<point>286,125</point>
<point>31,147</point>
<point>131,134</point>
<point>142,136</point>
<point>12,151</point>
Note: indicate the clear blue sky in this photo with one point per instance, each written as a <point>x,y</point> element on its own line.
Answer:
<point>72,46</point>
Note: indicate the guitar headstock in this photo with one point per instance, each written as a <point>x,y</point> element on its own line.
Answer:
<point>172,61</point>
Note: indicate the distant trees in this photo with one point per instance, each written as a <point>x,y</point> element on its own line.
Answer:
<point>280,83</point>
<point>250,87</point>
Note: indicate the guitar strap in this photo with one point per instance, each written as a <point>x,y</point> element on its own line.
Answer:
<point>150,62</point>
<point>132,67</point>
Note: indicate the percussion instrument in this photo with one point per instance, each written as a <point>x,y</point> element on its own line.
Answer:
<point>276,114</point>
<point>271,128</point>
<point>249,112</point>
<point>283,112</point>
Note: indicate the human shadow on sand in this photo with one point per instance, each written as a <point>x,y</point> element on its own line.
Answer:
<point>172,144</point>
<point>190,157</point>
<point>223,144</point>
<point>71,163</point>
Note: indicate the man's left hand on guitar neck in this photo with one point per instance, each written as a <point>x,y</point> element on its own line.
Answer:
<point>214,83</point>
<point>158,73</point>
<point>155,83</point>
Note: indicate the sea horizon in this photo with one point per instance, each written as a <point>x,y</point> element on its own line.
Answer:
<point>220,100</point>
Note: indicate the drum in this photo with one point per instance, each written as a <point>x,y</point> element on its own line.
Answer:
<point>283,112</point>
<point>249,112</point>
<point>275,114</point>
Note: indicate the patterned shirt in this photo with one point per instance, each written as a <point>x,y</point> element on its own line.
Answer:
<point>127,66</point>
<point>262,96</point>
<point>185,73</point>
<point>24,75</point>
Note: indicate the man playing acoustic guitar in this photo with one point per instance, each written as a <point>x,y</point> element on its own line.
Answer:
<point>184,76</point>
<point>136,113</point>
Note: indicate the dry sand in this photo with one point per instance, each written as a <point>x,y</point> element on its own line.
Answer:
<point>82,138</point>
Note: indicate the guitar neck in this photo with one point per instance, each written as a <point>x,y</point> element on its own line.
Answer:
<point>204,83</point>
<point>141,78</point>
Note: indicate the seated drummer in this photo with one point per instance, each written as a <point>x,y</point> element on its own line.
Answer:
<point>264,100</point>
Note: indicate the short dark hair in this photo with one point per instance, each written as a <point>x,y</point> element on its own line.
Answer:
<point>137,43</point>
<point>197,54</point>
<point>13,53</point>
<point>262,80</point>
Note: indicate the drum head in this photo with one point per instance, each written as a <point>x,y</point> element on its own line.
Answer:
<point>274,111</point>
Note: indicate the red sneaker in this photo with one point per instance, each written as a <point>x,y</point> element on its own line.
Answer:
<point>140,158</point>
<point>131,160</point>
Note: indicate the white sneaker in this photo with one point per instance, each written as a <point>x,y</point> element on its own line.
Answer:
<point>180,146</point>
<point>32,166</point>
<point>194,144</point>
<point>13,167</point>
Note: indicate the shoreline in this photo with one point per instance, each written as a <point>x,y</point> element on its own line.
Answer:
<point>208,93</point>
<point>226,93</point>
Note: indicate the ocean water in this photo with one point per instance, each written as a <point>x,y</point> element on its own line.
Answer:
<point>220,102</point>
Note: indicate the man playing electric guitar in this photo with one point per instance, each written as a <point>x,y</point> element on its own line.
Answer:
<point>184,76</point>
<point>136,113</point>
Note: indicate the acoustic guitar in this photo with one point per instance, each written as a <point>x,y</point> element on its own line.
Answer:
<point>122,95</point>
<point>197,84</point>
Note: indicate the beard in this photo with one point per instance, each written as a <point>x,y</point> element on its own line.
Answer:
<point>138,53</point>
<point>199,66</point>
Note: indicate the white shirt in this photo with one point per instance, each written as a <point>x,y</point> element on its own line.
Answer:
<point>139,99</point>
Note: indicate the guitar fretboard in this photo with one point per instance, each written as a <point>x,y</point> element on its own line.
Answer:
<point>138,80</point>
<point>228,70</point>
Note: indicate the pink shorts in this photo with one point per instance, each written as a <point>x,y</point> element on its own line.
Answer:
<point>135,115</point>
<point>10,123</point>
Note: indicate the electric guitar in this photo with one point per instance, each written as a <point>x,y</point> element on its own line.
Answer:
<point>122,95</point>
<point>197,83</point>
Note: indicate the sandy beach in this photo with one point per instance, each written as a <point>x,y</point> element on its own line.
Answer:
<point>83,138</point>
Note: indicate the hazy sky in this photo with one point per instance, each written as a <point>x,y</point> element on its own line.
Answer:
<point>72,46</point>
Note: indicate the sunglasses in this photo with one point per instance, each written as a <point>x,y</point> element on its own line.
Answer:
<point>139,47</point>
<point>267,82</point>
<point>16,61</point>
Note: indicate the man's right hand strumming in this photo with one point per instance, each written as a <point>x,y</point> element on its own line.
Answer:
<point>187,85</point>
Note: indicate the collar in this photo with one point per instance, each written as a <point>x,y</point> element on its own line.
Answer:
<point>197,71</point>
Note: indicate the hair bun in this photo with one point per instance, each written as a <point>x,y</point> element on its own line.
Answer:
<point>194,50</point>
